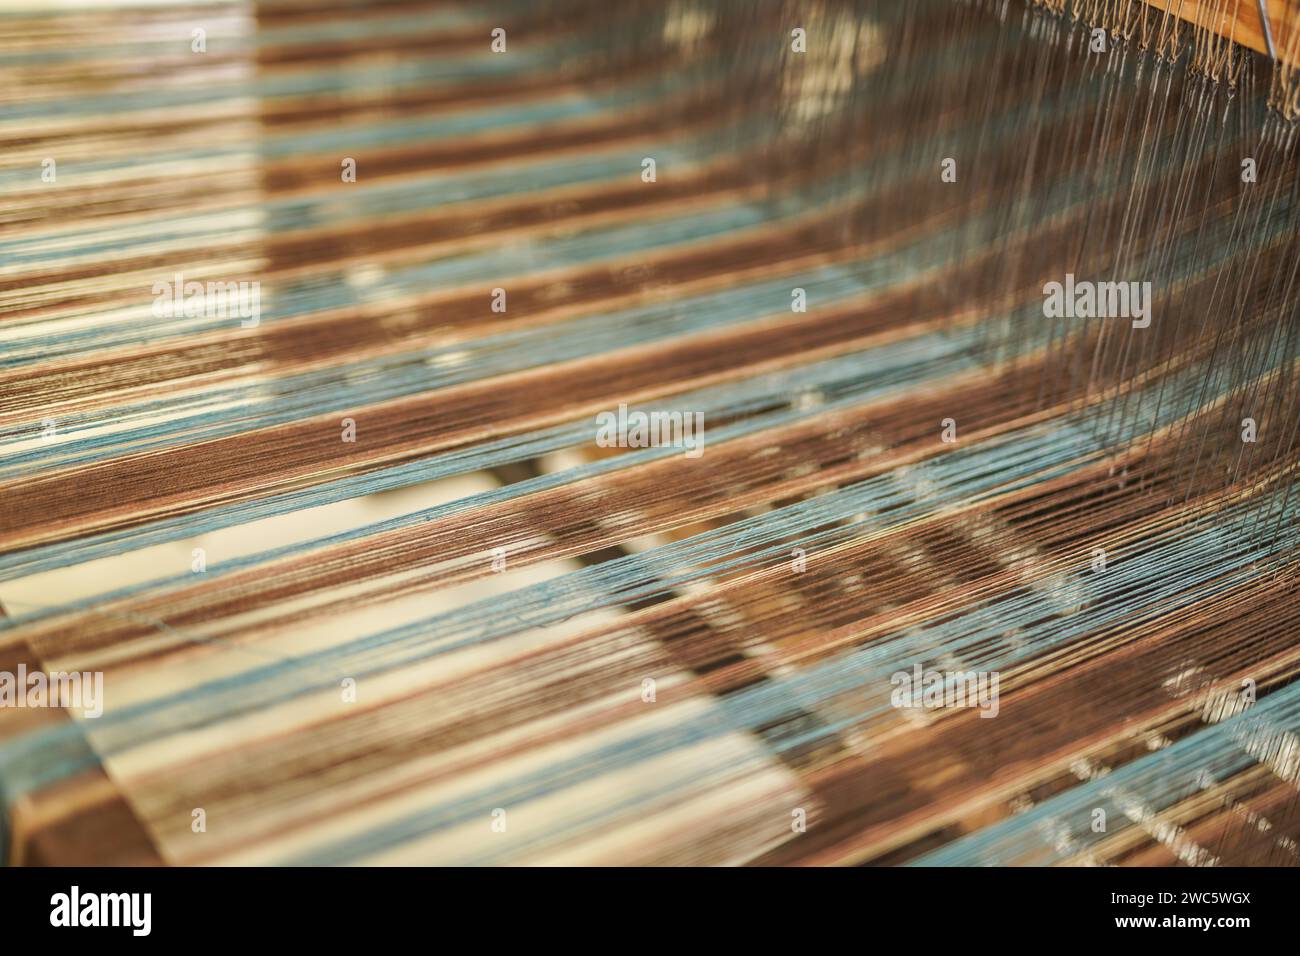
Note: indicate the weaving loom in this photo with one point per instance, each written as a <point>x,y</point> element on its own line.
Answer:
<point>670,432</point>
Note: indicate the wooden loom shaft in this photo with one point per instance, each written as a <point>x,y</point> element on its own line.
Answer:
<point>1240,20</point>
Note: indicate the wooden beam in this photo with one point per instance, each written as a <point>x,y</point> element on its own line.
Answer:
<point>1240,20</point>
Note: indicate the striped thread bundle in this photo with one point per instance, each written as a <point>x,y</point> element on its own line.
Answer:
<point>363,581</point>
